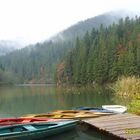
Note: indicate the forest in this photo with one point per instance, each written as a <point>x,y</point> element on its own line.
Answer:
<point>37,63</point>
<point>104,54</point>
<point>98,55</point>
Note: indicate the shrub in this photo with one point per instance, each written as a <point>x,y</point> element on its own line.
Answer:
<point>134,107</point>
<point>127,86</point>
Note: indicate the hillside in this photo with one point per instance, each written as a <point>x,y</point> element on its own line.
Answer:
<point>104,54</point>
<point>37,63</point>
<point>80,28</point>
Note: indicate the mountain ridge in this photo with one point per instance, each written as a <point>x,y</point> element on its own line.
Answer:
<point>106,19</point>
<point>44,57</point>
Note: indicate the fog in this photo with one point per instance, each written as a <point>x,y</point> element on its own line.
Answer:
<point>32,21</point>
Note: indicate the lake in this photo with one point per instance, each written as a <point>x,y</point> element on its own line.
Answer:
<point>19,100</point>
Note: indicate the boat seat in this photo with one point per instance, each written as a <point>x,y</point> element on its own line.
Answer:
<point>29,127</point>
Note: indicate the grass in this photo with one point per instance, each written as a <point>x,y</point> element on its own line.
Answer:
<point>134,107</point>
<point>129,87</point>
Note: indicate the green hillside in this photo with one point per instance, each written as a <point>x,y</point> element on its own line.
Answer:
<point>104,54</point>
<point>38,63</point>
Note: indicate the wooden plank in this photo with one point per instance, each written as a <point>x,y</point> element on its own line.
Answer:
<point>128,126</point>
<point>132,137</point>
<point>113,118</point>
<point>118,125</point>
<point>114,122</point>
<point>125,130</point>
<point>127,136</point>
<point>117,119</point>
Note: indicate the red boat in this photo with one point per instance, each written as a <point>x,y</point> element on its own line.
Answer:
<point>22,120</point>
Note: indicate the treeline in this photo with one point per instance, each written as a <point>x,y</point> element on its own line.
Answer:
<point>105,54</point>
<point>6,77</point>
<point>98,56</point>
<point>36,63</point>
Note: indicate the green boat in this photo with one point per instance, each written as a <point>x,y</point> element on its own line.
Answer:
<point>32,131</point>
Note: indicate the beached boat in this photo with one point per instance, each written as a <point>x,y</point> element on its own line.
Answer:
<point>69,114</point>
<point>115,108</point>
<point>14,120</point>
<point>80,112</point>
<point>61,116</point>
<point>93,109</point>
<point>44,115</point>
<point>33,131</point>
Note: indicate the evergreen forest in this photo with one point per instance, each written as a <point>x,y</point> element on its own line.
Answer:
<point>104,54</point>
<point>37,63</point>
<point>99,54</point>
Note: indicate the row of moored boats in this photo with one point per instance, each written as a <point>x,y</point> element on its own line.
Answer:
<point>37,126</point>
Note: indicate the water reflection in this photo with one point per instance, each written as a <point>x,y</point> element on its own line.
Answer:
<point>89,134</point>
<point>19,100</point>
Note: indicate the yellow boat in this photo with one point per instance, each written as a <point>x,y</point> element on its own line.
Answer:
<point>68,114</point>
<point>46,115</point>
<point>75,112</point>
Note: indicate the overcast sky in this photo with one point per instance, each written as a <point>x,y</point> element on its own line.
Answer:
<point>31,21</point>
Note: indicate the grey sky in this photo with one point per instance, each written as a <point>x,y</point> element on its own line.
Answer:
<point>31,21</point>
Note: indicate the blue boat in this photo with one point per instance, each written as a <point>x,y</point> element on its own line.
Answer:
<point>32,131</point>
<point>93,109</point>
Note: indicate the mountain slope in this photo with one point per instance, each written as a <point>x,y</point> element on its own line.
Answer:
<point>37,63</point>
<point>104,55</point>
<point>82,27</point>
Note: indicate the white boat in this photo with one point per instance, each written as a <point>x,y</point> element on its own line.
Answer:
<point>115,108</point>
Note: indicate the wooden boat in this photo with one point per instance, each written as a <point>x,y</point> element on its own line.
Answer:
<point>11,121</point>
<point>69,114</point>
<point>80,112</point>
<point>115,108</point>
<point>33,131</point>
<point>54,116</point>
<point>94,109</point>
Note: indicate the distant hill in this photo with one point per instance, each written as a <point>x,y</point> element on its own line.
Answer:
<point>81,27</point>
<point>103,55</point>
<point>37,63</point>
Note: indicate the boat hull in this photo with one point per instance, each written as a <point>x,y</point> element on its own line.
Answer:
<point>69,114</point>
<point>21,120</point>
<point>115,108</point>
<point>93,109</point>
<point>37,134</point>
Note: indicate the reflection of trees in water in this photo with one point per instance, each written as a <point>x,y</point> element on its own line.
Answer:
<point>23,100</point>
<point>20,100</point>
<point>85,96</point>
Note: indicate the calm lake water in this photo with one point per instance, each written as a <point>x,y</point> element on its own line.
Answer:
<point>19,100</point>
